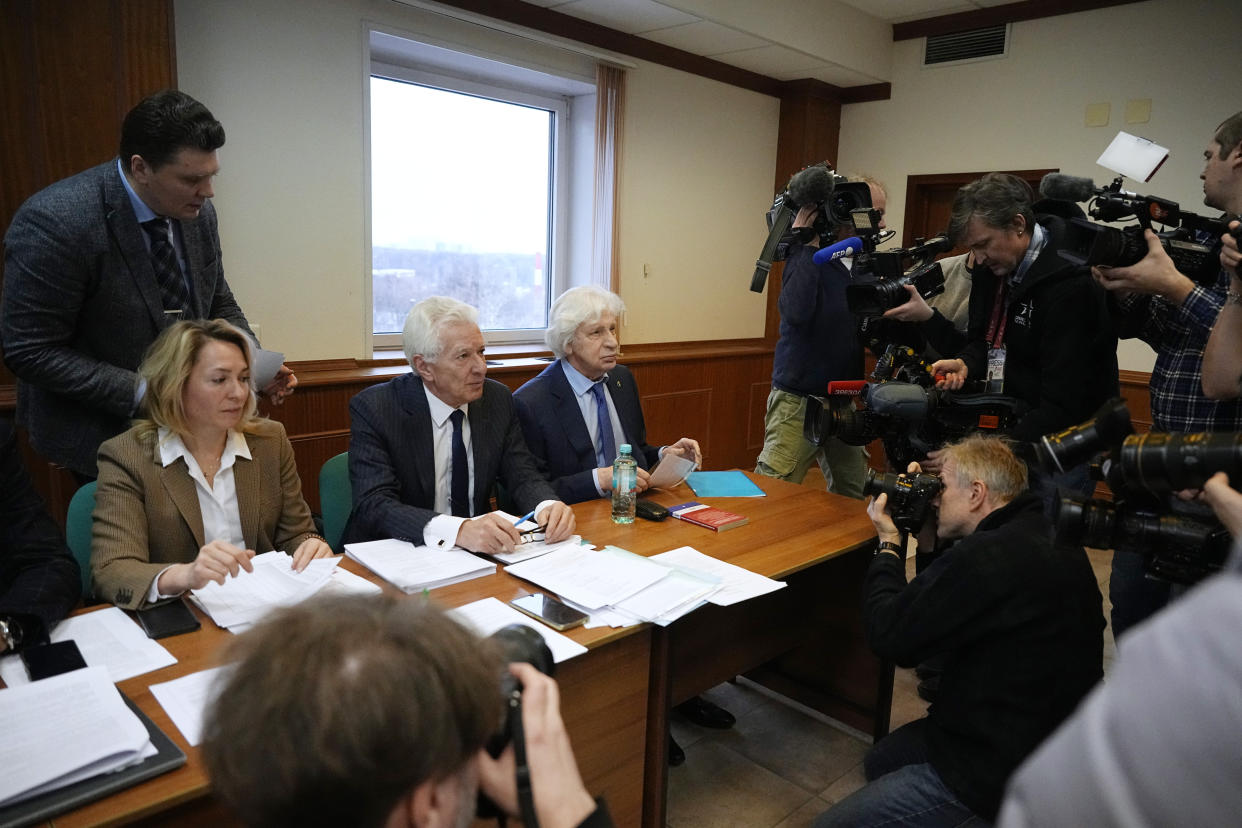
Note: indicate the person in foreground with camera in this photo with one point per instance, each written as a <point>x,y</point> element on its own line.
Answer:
<point>1018,621</point>
<point>199,484</point>
<point>1039,329</point>
<point>374,711</point>
<point>1222,189</point>
<point>818,343</point>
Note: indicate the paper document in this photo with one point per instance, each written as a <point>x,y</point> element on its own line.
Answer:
<point>533,548</point>
<point>63,729</point>
<point>487,615</point>
<point>106,638</point>
<point>266,364</point>
<point>736,584</point>
<point>670,597</point>
<point>412,568</point>
<point>591,578</point>
<point>248,596</point>
<point>186,699</point>
<point>670,471</point>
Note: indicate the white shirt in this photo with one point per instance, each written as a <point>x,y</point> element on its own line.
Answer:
<point>442,529</point>
<point>217,502</point>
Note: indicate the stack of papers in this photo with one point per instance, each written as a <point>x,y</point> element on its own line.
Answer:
<point>107,638</point>
<point>64,729</point>
<point>185,700</point>
<point>488,615</point>
<point>618,588</point>
<point>245,598</point>
<point>412,568</point>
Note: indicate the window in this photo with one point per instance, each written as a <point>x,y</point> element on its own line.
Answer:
<point>470,190</point>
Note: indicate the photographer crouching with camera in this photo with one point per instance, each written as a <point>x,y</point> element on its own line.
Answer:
<point>1018,621</point>
<point>369,711</point>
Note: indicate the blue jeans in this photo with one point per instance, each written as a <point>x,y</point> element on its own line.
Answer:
<point>902,789</point>
<point>1134,596</point>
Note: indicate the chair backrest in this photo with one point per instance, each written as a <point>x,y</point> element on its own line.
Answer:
<point>336,498</point>
<point>78,531</point>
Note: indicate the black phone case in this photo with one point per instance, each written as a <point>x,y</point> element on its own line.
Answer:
<point>650,510</point>
<point>173,618</point>
<point>46,660</point>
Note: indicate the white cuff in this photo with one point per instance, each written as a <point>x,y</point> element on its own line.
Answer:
<point>441,531</point>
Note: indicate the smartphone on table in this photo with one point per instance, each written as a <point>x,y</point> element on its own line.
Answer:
<point>46,660</point>
<point>163,620</point>
<point>550,611</point>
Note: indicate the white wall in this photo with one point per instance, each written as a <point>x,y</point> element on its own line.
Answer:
<point>1027,111</point>
<point>286,79</point>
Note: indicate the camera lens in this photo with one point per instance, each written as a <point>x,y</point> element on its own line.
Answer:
<point>1171,462</point>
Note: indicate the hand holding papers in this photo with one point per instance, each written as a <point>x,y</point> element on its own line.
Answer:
<point>246,597</point>
<point>670,471</point>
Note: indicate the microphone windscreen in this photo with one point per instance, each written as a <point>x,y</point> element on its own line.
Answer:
<point>1066,187</point>
<point>811,186</point>
<point>843,248</point>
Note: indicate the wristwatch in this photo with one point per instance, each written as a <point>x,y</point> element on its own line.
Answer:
<point>889,546</point>
<point>10,633</point>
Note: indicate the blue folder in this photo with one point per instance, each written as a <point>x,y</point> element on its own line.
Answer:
<point>723,484</point>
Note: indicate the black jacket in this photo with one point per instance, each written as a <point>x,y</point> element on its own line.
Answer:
<point>1061,349</point>
<point>1020,624</point>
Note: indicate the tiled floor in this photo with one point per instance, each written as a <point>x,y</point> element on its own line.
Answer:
<point>781,765</point>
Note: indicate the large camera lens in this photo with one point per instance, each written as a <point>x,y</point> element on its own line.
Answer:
<point>1171,462</point>
<point>845,422</point>
<point>1083,522</point>
<point>1076,445</point>
<point>517,644</point>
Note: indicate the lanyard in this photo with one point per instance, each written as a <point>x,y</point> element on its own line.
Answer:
<point>1000,315</point>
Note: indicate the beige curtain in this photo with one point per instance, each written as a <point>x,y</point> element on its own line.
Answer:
<point>609,112</point>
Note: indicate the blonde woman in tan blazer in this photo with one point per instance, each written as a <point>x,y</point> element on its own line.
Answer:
<point>189,494</point>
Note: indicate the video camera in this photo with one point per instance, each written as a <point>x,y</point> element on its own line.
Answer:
<point>517,644</point>
<point>878,279</point>
<point>910,496</point>
<point>1180,541</point>
<point>831,194</point>
<point>1089,244</point>
<point>902,407</point>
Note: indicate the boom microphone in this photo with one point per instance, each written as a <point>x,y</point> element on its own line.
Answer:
<point>846,247</point>
<point>1067,187</point>
<point>810,186</point>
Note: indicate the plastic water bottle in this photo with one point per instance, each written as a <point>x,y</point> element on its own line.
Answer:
<point>624,486</point>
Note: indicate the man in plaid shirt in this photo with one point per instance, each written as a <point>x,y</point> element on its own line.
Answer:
<point>1156,303</point>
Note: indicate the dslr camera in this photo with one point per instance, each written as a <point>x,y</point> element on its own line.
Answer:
<point>910,496</point>
<point>831,194</point>
<point>1188,238</point>
<point>878,279</point>
<point>1180,541</point>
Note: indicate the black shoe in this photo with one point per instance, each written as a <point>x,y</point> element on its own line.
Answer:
<point>676,756</point>
<point>705,714</point>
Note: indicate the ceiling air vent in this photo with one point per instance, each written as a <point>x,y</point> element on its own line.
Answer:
<point>971,45</point>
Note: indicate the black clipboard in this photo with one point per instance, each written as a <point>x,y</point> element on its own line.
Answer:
<point>168,757</point>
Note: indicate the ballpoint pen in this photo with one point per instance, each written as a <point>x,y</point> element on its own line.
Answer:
<point>524,518</point>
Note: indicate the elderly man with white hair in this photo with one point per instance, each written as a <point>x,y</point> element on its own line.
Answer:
<point>580,409</point>
<point>427,449</point>
<point>584,406</point>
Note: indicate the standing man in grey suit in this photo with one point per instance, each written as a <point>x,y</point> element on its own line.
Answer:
<point>426,449</point>
<point>96,265</point>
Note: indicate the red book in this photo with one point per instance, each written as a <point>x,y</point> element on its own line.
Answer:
<point>707,516</point>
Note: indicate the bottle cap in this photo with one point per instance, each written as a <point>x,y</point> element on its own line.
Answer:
<point>625,448</point>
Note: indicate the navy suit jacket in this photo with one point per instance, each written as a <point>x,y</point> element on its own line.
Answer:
<point>558,437</point>
<point>39,579</point>
<point>81,304</point>
<point>392,467</point>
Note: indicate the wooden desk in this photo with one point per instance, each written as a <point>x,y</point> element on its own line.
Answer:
<point>803,640</point>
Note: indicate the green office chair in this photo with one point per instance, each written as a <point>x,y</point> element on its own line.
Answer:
<point>78,532</point>
<point>336,498</point>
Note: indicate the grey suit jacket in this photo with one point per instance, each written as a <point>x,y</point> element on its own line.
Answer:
<point>392,470</point>
<point>81,304</point>
<point>147,515</point>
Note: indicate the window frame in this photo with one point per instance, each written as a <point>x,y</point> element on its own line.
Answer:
<point>557,278</point>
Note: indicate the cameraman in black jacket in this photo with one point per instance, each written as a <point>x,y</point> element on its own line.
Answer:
<point>1018,622</point>
<point>1039,326</point>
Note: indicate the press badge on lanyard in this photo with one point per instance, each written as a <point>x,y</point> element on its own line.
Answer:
<point>996,339</point>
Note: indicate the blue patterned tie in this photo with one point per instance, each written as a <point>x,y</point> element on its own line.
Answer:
<point>173,291</point>
<point>460,484</point>
<point>607,447</point>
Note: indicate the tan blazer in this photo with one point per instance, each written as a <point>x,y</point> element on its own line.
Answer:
<point>147,516</point>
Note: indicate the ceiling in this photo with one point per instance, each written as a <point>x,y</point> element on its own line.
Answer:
<point>732,34</point>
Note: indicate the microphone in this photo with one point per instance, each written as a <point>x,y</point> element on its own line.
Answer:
<point>812,185</point>
<point>843,248</point>
<point>1067,187</point>
<point>846,388</point>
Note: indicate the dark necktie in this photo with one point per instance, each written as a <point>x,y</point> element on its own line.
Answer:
<point>460,481</point>
<point>606,450</point>
<point>167,269</point>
